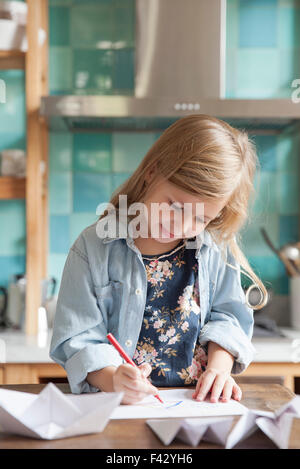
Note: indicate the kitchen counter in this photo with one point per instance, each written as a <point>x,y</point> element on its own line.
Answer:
<point>17,347</point>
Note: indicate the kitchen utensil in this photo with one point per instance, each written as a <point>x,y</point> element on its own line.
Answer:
<point>290,269</point>
<point>17,295</point>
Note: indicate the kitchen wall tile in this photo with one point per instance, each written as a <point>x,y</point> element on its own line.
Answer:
<point>252,239</point>
<point>272,272</point>
<point>289,70</point>
<point>288,188</point>
<point>92,152</point>
<point>78,222</point>
<point>129,149</point>
<point>60,70</point>
<point>118,179</point>
<point>124,23</point>
<point>266,150</point>
<point>56,263</point>
<point>257,73</point>
<point>9,266</point>
<point>288,25</point>
<point>288,229</point>
<point>13,230</point>
<point>258,23</point>
<point>12,112</point>
<point>92,25</point>
<point>59,26</point>
<point>287,152</point>
<point>59,233</point>
<point>90,189</point>
<point>93,71</point>
<point>60,192</point>
<point>123,74</point>
<point>60,151</point>
<point>266,196</point>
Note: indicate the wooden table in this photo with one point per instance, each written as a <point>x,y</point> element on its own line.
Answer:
<point>121,434</point>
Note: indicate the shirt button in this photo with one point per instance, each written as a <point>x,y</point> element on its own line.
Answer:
<point>128,343</point>
<point>138,291</point>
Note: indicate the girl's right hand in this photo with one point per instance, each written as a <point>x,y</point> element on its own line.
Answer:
<point>133,382</point>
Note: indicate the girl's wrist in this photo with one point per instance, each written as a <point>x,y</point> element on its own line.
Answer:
<point>219,359</point>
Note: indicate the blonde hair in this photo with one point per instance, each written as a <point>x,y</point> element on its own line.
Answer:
<point>205,156</point>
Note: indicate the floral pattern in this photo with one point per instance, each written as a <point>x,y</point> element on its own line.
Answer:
<point>168,337</point>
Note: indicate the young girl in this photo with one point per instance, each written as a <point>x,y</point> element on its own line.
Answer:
<point>173,301</point>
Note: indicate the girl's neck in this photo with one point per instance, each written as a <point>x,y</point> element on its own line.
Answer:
<point>152,247</point>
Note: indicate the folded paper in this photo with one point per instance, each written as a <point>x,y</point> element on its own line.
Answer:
<point>53,414</point>
<point>276,425</point>
<point>192,430</point>
<point>222,431</point>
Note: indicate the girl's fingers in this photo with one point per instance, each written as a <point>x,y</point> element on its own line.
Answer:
<point>217,388</point>
<point>236,392</point>
<point>197,387</point>
<point>205,385</point>
<point>227,391</point>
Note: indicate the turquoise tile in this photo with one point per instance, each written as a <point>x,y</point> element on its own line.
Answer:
<point>266,195</point>
<point>288,25</point>
<point>252,241</point>
<point>60,193</point>
<point>289,70</point>
<point>123,75</point>
<point>258,23</point>
<point>232,24</point>
<point>129,149</point>
<point>257,73</point>
<point>231,73</point>
<point>124,23</point>
<point>12,140</point>
<point>272,272</point>
<point>59,234</point>
<point>13,228</point>
<point>287,150</point>
<point>59,26</point>
<point>56,263</point>
<point>9,266</point>
<point>93,71</point>
<point>80,221</point>
<point>288,229</point>
<point>60,151</point>
<point>89,190</point>
<point>12,112</point>
<point>92,152</point>
<point>118,179</point>
<point>60,69</point>
<point>266,150</point>
<point>92,25</point>
<point>288,187</point>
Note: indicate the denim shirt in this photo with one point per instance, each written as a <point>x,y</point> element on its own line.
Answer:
<point>103,289</point>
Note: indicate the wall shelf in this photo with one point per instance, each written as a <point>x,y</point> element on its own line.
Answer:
<point>12,59</point>
<point>12,188</point>
<point>34,188</point>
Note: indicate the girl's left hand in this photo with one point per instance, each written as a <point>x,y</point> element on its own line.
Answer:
<point>217,383</point>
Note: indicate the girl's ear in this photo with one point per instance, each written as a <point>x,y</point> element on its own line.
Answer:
<point>150,174</point>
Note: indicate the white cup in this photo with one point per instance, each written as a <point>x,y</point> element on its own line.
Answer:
<point>295,302</point>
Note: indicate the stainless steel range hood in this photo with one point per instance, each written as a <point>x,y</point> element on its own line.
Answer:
<point>180,69</point>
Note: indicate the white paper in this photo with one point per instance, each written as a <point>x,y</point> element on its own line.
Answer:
<point>276,425</point>
<point>192,431</point>
<point>53,414</point>
<point>178,403</point>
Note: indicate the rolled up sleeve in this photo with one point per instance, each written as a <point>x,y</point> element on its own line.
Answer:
<point>79,342</point>
<point>230,321</point>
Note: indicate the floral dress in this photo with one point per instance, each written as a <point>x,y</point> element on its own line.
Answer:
<point>171,325</point>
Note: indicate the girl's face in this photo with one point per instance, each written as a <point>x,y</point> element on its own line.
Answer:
<point>180,215</point>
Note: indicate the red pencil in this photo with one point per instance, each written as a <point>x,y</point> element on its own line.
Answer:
<point>124,355</point>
